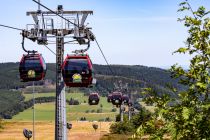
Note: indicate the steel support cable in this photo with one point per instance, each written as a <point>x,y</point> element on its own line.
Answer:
<point>104,56</point>
<point>54,12</point>
<point>70,22</point>
<point>77,26</point>
<point>69,41</point>
<point>83,50</point>
<point>50,49</point>
<point>33,50</point>
<point>11,27</point>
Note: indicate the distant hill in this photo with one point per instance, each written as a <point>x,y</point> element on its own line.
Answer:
<point>136,76</point>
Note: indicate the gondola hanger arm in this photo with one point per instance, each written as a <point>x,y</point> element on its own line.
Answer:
<point>23,47</point>
<point>82,50</point>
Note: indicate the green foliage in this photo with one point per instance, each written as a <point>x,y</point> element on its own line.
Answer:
<point>99,110</point>
<point>101,105</point>
<point>129,126</point>
<point>83,119</point>
<point>108,119</point>
<point>189,115</point>
<point>93,110</point>
<point>114,110</point>
<point>117,119</point>
<point>140,118</point>
<point>9,99</point>
<point>122,127</point>
<point>72,101</point>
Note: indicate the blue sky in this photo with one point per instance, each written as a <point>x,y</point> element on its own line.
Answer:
<point>130,32</point>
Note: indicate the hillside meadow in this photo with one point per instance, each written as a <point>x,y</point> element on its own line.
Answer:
<point>45,116</point>
<point>46,111</point>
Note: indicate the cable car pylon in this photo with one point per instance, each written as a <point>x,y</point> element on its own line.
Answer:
<point>44,27</point>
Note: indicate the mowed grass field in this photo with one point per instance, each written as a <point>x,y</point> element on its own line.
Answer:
<point>45,130</point>
<point>46,111</point>
<point>45,119</point>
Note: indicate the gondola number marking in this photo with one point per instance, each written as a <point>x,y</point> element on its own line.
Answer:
<point>31,74</point>
<point>77,78</point>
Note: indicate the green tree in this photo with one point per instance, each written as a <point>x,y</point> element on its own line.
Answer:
<point>114,110</point>
<point>101,106</point>
<point>189,115</point>
<point>93,110</point>
<point>122,128</point>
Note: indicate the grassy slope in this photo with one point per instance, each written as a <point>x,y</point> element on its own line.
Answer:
<point>46,111</point>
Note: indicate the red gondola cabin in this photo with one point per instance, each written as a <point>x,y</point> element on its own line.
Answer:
<point>125,99</point>
<point>77,71</point>
<point>32,67</point>
<point>117,98</point>
<point>93,99</point>
<point>130,104</point>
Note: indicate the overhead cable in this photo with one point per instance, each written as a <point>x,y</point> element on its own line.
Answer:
<point>77,26</point>
<point>11,27</point>
<point>104,57</point>
<point>54,12</point>
<point>50,49</point>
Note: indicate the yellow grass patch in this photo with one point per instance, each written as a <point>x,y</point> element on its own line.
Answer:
<point>45,130</point>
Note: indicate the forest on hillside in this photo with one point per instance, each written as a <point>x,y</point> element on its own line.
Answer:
<point>136,76</point>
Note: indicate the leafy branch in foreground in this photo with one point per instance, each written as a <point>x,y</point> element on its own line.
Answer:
<point>189,116</point>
